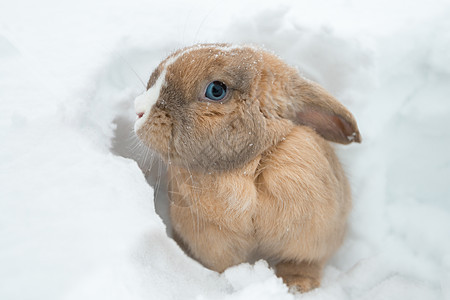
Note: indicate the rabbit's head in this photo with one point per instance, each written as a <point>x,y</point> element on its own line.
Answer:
<point>214,107</point>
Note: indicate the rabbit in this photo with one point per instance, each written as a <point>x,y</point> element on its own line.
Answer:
<point>250,168</point>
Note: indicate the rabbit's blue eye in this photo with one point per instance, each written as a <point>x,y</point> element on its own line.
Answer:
<point>216,91</point>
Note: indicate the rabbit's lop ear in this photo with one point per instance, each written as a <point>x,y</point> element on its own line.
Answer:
<point>316,108</point>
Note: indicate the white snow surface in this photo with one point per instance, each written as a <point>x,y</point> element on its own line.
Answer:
<point>77,215</point>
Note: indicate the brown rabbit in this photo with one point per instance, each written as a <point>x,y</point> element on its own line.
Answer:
<point>251,174</point>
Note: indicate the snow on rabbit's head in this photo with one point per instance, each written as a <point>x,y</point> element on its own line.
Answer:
<point>215,107</point>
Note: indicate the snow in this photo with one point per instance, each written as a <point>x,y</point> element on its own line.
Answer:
<point>77,216</point>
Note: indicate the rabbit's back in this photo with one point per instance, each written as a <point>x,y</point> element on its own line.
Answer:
<point>303,199</point>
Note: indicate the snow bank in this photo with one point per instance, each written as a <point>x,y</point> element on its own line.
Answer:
<point>77,218</point>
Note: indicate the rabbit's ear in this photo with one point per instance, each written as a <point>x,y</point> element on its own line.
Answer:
<point>316,108</point>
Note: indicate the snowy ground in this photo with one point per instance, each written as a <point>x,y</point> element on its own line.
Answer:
<point>77,218</point>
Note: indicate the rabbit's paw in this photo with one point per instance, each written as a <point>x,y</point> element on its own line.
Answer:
<point>300,277</point>
<point>301,283</point>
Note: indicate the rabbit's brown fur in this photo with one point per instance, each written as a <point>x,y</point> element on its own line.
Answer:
<point>251,176</point>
